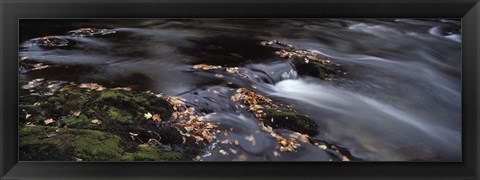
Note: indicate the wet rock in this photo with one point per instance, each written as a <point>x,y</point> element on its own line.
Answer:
<point>53,42</point>
<point>275,114</point>
<point>310,66</point>
<point>307,62</point>
<point>290,120</point>
<point>89,32</point>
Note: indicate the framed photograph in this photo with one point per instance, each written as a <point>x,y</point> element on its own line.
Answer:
<point>239,89</point>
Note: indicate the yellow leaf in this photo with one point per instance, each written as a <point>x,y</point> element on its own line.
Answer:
<point>147,115</point>
<point>322,146</point>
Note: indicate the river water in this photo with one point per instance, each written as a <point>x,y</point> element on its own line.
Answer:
<point>400,101</point>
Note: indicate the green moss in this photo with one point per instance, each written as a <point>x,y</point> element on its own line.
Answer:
<point>38,119</point>
<point>312,68</point>
<point>119,115</point>
<point>112,96</point>
<point>290,120</point>
<point>27,107</point>
<point>120,112</point>
<point>141,101</point>
<point>48,143</point>
<point>81,121</point>
<point>63,103</point>
<point>152,154</point>
<point>96,145</point>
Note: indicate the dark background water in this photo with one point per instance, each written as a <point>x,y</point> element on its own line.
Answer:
<point>399,101</point>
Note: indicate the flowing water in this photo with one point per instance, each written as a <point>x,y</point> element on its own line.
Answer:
<point>399,101</point>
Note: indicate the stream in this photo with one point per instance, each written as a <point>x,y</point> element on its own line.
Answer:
<point>400,101</point>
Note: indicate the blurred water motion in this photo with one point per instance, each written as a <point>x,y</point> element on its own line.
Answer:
<point>401,99</point>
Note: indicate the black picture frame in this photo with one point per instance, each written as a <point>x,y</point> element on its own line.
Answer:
<point>13,10</point>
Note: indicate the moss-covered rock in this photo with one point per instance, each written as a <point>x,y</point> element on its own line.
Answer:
<point>63,144</point>
<point>306,62</point>
<point>76,107</point>
<point>312,66</point>
<point>100,124</point>
<point>290,120</point>
<point>152,154</point>
<point>50,143</point>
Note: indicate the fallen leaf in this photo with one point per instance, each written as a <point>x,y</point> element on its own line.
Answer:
<point>143,145</point>
<point>76,113</point>
<point>123,88</point>
<point>33,83</point>
<point>49,121</point>
<point>40,66</point>
<point>27,116</point>
<point>147,115</point>
<point>92,86</point>
<point>322,146</point>
<point>96,121</point>
<point>223,152</point>
<point>206,67</point>
<point>156,117</point>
